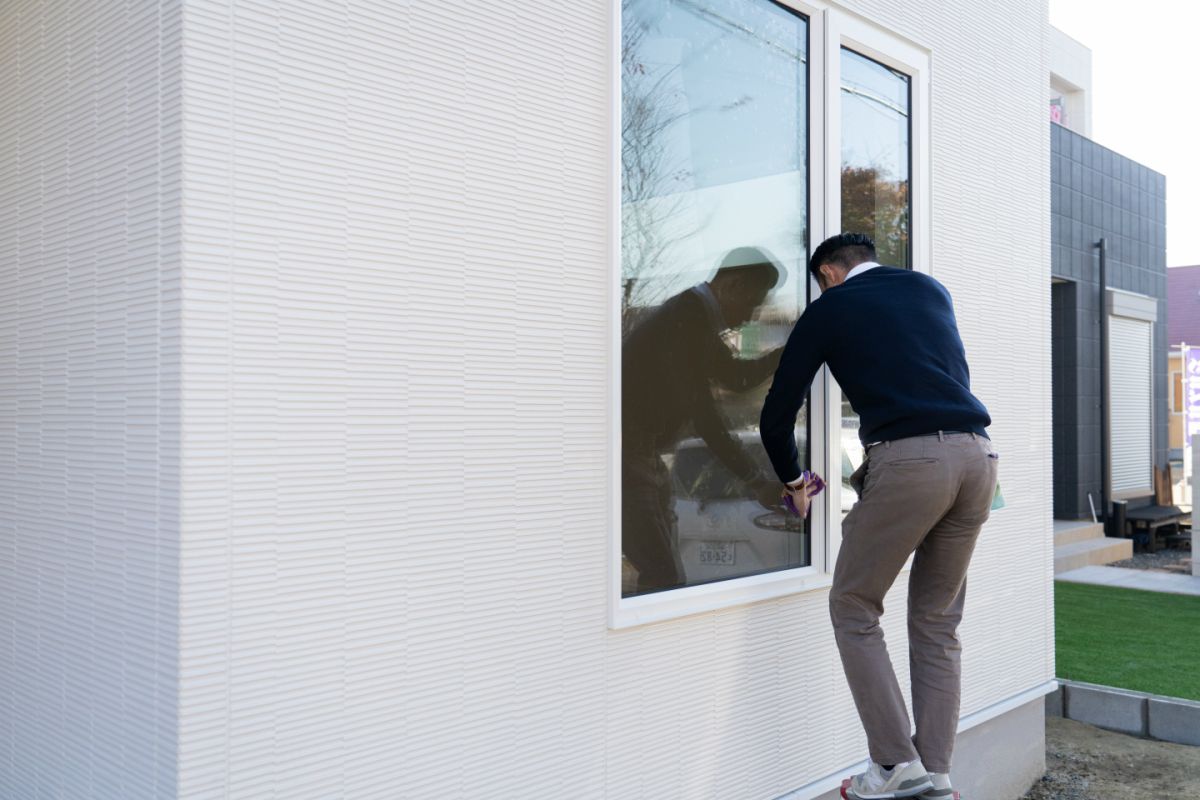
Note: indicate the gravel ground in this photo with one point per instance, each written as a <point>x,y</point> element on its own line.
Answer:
<point>1153,560</point>
<point>1086,763</point>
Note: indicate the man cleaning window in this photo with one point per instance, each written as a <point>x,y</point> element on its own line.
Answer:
<point>890,339</point>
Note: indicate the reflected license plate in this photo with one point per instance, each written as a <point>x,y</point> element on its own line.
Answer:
<point>721,553</point>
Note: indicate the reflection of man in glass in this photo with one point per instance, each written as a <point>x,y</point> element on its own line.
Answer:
<point>671,362</point>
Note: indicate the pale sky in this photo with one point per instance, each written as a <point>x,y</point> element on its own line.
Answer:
<point>1146,96</point>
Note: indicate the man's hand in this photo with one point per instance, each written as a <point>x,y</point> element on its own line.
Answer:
<point>799,497</point>
<point>796,497</point>
<point>767,494</point>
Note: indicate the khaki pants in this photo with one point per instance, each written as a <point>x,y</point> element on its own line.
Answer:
<point>929,495</point>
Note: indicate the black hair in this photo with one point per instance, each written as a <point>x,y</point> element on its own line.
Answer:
<point>845,250</point>
<point>753,263</point>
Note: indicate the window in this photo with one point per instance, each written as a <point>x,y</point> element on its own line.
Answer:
<point>747,129</point>
<point>1177,393</point>
<point>714,240</point>
<point>1058,110</point>
<point>876,156</point>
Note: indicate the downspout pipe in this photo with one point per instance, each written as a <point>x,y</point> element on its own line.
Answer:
<point>1105,397</point>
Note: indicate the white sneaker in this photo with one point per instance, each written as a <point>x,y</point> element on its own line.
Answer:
<point>941,788</point>
<point>903,780</point>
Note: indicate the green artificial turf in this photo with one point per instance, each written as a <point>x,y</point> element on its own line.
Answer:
<point>1145,641</point>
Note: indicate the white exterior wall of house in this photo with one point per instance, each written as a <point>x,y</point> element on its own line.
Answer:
<point>89,398</point>
<point>393,512</point>
<point>1071,80</point>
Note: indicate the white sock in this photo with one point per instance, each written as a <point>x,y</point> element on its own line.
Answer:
<point>941,780</point>
<point>895,767</point>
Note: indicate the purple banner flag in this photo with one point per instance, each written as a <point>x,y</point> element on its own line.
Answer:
<point>1191,388</point>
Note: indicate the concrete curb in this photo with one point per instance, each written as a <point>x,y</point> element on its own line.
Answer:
<point>1149,716</point>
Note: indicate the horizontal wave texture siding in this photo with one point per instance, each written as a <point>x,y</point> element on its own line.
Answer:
<point>397,317</point>
<point>90,194</point>
<point>341,523</point>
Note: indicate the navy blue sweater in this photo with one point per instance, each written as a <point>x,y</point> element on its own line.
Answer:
<point>891,341</point>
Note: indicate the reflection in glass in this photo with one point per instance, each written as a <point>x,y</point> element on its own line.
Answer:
<point>713,245</point>
<point>876,105</point>
<point>875,155</point>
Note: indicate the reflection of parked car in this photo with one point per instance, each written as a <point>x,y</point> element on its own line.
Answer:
<point>724,533</point>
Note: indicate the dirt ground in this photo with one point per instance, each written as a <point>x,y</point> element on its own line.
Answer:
<point>1166,557</point>
<point>1086,763</point>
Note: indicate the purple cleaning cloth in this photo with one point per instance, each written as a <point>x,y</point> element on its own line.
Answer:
<point>813,486</point>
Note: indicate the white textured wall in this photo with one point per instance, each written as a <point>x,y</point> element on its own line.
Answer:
<point>1070,65</point>
<point>396,242</point>
<point>396,238</point>
<point>89,395</point>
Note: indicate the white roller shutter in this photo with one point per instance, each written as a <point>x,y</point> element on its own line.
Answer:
<point>1131,378</point>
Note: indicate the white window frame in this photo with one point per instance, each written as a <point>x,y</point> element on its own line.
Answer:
<point>829,28</point>
<point>903,55</point>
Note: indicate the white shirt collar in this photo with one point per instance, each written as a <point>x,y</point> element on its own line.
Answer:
<point>861,268</point>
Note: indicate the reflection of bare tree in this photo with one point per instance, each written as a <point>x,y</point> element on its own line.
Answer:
<point>650,201</point>
<point>875,204</point>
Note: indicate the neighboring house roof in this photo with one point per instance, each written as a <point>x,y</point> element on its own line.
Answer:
<point>1183,305</point>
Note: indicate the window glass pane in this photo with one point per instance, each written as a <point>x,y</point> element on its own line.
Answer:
<point>876,152</point>
<point>875,155</point>
<point>713,162</point>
